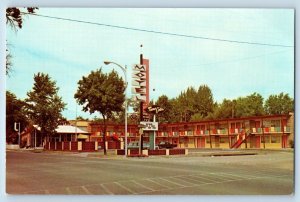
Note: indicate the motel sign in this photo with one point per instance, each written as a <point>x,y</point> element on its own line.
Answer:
<point>149,126</point>
<point>139,82</point>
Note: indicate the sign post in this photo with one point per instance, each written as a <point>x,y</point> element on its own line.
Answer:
<point>19,133</point>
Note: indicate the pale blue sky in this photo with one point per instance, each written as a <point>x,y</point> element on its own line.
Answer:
<point>68,50</point>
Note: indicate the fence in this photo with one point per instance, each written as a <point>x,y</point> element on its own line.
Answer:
<point>150,152</point>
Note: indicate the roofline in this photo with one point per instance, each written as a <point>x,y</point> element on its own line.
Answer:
<point>204,121</point>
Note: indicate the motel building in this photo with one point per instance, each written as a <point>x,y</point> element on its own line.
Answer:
<point>269,132</point>
<point>260,132</point>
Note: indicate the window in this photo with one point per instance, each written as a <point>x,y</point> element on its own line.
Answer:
<point>267,139</point>
<point>224,140</point>
<point>275,123</point>
<point>275,139</point>
<point>190,132</point>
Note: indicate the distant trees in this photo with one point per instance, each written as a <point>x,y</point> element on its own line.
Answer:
<point>279,104</point>
<point>103,93</point>
<point>44,106</point>
<point>192,105</point>
<point>251,105</point>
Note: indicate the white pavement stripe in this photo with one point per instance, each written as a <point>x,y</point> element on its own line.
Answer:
<point>106,189</point>
<point>195,180</point>
<point>141,185</point>
<point>236,175</point>
<point>157,183</point>
<point>172,182</point>
<point>127,189</point>
<point>204,178</point>
<point>68,190</point>
<point>184,180</point>
<point>86,190</point>
<point>223,176</point>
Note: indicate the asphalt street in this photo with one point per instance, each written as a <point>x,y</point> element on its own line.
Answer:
<point>267,173</point>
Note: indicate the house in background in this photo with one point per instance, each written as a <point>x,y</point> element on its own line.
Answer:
<point>81,124</point>
<point>31,136</point>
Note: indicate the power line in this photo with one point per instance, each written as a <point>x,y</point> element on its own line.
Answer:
<point>160,32</point>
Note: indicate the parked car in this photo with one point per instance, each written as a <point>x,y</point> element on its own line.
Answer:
<point>166,145</point>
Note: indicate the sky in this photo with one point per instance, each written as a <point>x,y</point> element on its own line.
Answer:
<point>69,50</point>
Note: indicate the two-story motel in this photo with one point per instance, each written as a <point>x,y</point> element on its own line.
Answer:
<point>272,131</point>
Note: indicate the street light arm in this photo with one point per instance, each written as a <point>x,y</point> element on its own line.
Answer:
<point>124,69</point>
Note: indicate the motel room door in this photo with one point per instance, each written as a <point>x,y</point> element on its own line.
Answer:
<point>284,141</point>
<point>217,141</point>
<point>200,142</point>
<point>254,142</point>
<point>257,141</point>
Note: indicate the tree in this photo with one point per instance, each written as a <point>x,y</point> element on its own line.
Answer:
<point>279,104</point>
<point>14,18</point>
<point>164,102</point>
<point>186,103</point>
<point>8,62</point>
<point>226,109</point>
<point>103,93</point>
<point>44,106</point>
<point>14,113</point>
<point>252,105</point>
<point>205,101</point>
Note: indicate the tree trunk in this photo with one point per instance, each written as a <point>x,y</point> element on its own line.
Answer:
<point>104,134</point>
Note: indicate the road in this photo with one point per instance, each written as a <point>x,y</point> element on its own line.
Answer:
<point>268,173</point>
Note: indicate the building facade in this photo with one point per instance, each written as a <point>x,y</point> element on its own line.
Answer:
<point>270,132</point>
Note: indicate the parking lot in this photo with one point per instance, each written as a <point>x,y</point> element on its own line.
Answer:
<point>267,173</point>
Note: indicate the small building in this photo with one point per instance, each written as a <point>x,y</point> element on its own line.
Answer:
<point>68,133</point>
<point>31,136</point>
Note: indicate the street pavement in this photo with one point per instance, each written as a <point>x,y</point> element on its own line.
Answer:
<point>265,173</point>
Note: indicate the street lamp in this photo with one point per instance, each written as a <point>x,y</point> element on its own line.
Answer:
<point>126,84</point>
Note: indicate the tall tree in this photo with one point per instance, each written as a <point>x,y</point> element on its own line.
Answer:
<point>44,106</point>
<point>187,102</point>
<point>205,101</point>
<point>164,102</point>
<point>103,93</point>
<point>279,104</point>
<point>14,114</point>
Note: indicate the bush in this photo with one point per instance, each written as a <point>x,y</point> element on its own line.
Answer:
<point>291,143</point>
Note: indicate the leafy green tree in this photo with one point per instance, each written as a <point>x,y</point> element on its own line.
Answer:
<point>186,103</point>
<point>204,101</point>
<point>279,104</point>
<point>251,105</point>
<point>14,113</point>
<point>44,106</point>
<point>226,109</point>
<point>164,102</point>
<point>103,93</point>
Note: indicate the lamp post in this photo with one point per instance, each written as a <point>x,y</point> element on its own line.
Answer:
<point>126,84</point>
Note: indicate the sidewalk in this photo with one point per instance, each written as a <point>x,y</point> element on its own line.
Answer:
<point>191,153</point>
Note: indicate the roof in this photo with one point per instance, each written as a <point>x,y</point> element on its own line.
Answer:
<point>69,129</point>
